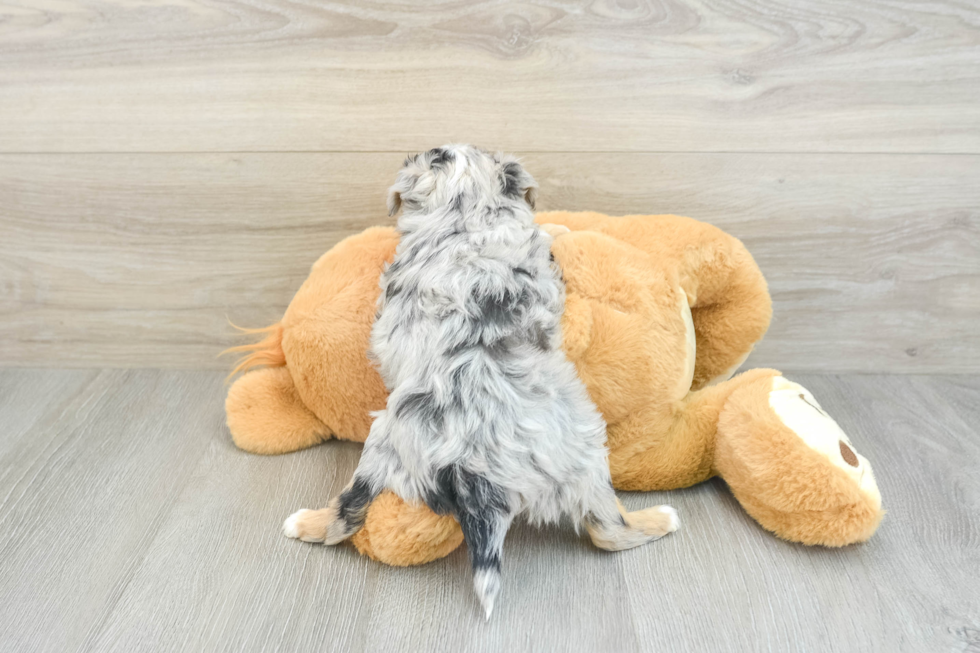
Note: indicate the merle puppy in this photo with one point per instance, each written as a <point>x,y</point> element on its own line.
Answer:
<point>486,418</point>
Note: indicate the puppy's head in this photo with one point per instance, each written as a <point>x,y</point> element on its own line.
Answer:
<point>459,173</point>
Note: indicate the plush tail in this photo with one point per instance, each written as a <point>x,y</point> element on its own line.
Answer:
<point>267,351</point>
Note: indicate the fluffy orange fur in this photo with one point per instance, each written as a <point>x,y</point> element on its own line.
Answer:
<point>817,504</point>
<point>266,352</point>
<point>630,283</point>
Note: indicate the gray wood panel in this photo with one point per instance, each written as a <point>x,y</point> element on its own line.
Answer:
<point>32,396</point>
<point>84,489</point>
<point>138,526</point>
<point>910,588</point>
<point>678,75</point>
<point>139,260</point>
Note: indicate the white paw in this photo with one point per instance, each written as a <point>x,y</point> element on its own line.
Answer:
<point>290,527</point>
<point>675,521</point>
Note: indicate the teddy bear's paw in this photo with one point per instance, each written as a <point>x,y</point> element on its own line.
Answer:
<point>307,525</point>
<point>799,411</point>
<point>555,230</point>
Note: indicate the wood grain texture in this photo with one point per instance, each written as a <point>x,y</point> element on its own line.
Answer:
<point>549,75</point>
<point>139,260</point>
<point>134,524</point>
<point>905,590</point>
<point>84,490</point>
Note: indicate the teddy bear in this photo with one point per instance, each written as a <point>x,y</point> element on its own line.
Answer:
<point>660,311</point>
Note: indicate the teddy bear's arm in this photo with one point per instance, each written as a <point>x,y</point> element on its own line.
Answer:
<point>729,299</point>
<point>731,313</point>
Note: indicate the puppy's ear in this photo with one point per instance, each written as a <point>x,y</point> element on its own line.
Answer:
<point>403,184</point>
<point>394,201</point>
<point>413,185</point>
<point>518,183</point>
<point>531,194</point>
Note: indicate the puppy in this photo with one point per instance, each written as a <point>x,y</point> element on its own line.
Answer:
<point>486,418</point>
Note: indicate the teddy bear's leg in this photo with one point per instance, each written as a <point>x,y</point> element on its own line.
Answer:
<point>792,467</point>
<point>402,534</point>
<point>726,291</point>
<point>671,445</point>
<point>266,415</point>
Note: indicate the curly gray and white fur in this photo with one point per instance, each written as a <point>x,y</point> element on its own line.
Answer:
<point>486,418</point>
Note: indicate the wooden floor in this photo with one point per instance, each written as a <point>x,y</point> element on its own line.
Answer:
<point>166,165</point>
<point>129,521</point>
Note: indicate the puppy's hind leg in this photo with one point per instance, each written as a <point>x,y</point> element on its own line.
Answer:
<point>614,529</point>
<point>345,514</point>
<point>342,517</point>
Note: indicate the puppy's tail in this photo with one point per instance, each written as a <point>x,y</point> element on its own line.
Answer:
<point>484,535</point>
<point>267,351</point>
<point>486,583</point>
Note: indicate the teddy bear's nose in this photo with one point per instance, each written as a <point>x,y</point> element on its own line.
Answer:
<point>848,454</point>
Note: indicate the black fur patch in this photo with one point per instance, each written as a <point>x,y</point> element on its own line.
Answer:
<point>420,404</point>
<point>495,309</point>
<point>477,494</point>
<point>459,491</point>
<point>440,157</point>
<point>456,205</point>
<point>500,349</point>
<point>354,503</point>
<point>512,180</point>
<point>443,499</point>
<point>479,534</point>
<point>456,386</point>
<point>392,291</point>
<point>499,309</point>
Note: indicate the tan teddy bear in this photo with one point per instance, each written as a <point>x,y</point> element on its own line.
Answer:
<point>660,312</point>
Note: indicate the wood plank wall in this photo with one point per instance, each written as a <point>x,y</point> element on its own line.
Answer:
<point>166,166</point>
